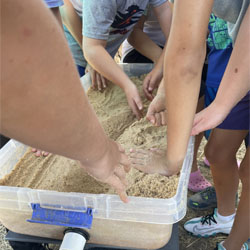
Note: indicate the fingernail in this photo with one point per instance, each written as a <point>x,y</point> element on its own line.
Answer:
<point>140,107</point>
<point>150,89</point>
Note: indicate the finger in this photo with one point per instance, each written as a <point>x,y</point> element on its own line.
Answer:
<point>99,82</point>
<point>163,118</point>
<point>151,118</point>
<point>139,151</point>
<point>124,161</point>
<point>151,85</point>
<point>121,174</point>
<point>135,110</point>
<point>93,77</point>
<point>138,102</point>
<point>137,155</point>
<point>150,114</point>
<point>158,119</point>
<point>137,161</point>
<point>140,167</point>
<point>38,153</point>
<point>44,153</point>
<point>116,183</point>
<point>147,93</point>
<point>104,85</point>
<point>145,88</point>
<point>200,127</point>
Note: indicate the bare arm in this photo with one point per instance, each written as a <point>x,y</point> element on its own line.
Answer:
<point>234,85</point>
<point>101,61</point>
<point>183,63</point>
<point>142,42</point>
<point>236,80</point>
<point>164,16</point>
<point>42,101</point>
<point>72,21</point>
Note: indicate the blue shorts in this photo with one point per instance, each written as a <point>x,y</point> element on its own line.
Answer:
<point>81,70</point>
<point>238,118</point>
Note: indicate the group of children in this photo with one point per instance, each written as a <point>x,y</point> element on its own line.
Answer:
<point>95,30</point>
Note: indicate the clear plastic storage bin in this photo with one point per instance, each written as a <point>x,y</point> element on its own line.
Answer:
<point>144,223</point>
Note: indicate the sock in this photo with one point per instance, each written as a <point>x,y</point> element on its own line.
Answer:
<point>225,218</point>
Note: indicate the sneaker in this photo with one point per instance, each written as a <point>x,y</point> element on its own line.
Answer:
<point>203,200</point>
<point>221,247</point>
<point>208,225</point>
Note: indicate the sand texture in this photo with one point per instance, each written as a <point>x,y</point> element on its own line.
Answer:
<point>61,174</point>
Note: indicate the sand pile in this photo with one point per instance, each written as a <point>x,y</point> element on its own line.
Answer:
<point>65,175</point>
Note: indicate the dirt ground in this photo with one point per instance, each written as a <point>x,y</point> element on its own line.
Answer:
<point>187,242</point>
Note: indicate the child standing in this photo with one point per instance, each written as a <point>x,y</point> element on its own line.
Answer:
<point>222,146</point>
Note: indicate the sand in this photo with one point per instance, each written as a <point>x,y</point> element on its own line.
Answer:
<point>65,175</point>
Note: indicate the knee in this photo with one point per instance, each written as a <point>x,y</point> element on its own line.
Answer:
<point>215,155</point>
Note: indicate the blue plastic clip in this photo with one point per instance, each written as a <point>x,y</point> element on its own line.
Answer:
<point>61,217</point>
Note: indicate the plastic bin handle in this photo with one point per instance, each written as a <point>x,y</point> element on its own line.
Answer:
<point>61,217</point>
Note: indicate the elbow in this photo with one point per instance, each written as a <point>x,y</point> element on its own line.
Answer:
<point>188,63</point>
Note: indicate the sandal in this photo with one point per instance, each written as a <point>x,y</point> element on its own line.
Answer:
<point>197,182</point>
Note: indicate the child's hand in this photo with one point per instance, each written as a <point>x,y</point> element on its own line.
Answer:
<point>134,100</point>
<point>209,118</point>
<point>152,81</point>
<point>98,81</point>
<point>157,110</point>
<point>111,168</point>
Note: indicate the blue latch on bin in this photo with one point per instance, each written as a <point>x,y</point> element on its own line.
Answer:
<point>61,217</point>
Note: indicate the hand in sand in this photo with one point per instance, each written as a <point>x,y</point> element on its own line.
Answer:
<point>98,81</point>
<point>134,100</point>
<point>152,81</point>
<point>111,168</point>
<point>157,110</point>
<point>39,152</point>
<point>151,161</point>
<point>209,118</point>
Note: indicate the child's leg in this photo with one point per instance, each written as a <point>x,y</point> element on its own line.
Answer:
<point>221,153</point>
<point>198,137</point>
<point>240,231</point>
<point>197,181</point>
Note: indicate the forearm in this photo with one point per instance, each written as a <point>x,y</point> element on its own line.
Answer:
<point>143,44</point>
<point>43,105</point>
<point>103,63</point>
<point>236,80</point>
<point>72,21</point>
<point>183,63</point>
<point>181,89</point>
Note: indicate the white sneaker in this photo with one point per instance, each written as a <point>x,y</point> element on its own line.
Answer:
<point>221,247</point>
<point>208,225</point>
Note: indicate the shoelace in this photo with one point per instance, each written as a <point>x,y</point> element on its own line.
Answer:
<point>208,219</point>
